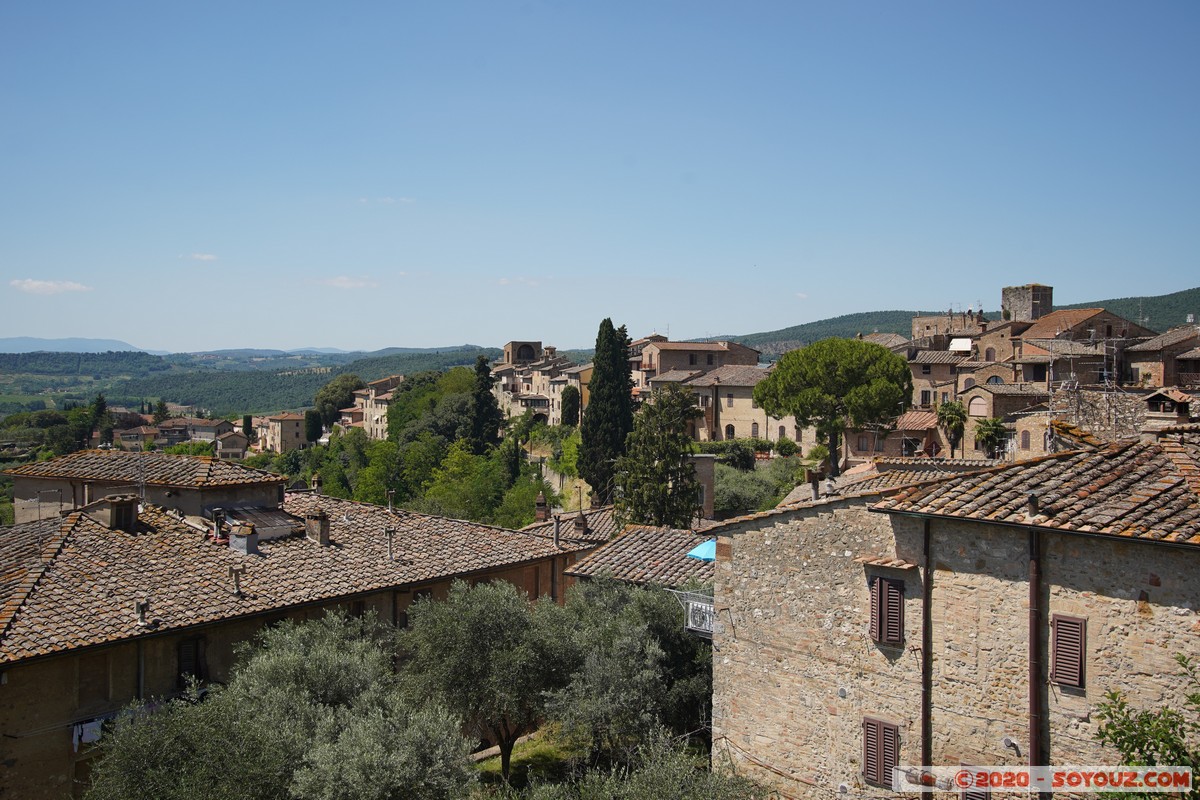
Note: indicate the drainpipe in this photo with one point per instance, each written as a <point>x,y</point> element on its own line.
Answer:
<point>1035,646</point>
<point>927,653</point>
<point>141,669</point>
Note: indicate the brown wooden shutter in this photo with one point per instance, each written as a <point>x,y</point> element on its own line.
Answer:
<point>875,594</point>
<point>893,611</point>
<point>1068,647</point>
<point>881,751</point>
<point>887,610</point>
<point>871,750</point>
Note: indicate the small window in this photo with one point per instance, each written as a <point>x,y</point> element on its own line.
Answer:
<point>887,610</point>
<point>926,369</point>
<point>710,359</point>
<point>729,400</point>
<point>191,661</point>
<point>782,432</point>
<point>691,358</point>
<point>863,442</point>
<point>754,429</point>
<point>989,354</point>
<point>1024,440</point>
<point>881,751</point>
<point>926,397</point>
<point>1069,636</point>
<point>729,432</point>
<point>704,400</point>
<point>995,380</point>
<point>968,383</point>
<point>945,397</point>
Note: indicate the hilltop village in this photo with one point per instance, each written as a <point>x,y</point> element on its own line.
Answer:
<point>959,580</point>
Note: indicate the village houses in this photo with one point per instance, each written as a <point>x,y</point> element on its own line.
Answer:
<point>127,596</point>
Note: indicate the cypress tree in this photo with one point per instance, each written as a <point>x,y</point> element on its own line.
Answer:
<point>608,418</point>
<point>486,418</point>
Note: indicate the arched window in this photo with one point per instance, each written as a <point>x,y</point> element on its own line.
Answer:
<point>525,353</point>
<point>989,354</point>
<point>978,407</point>
<point>754,429</point>
<point>968,383</point>
<point>995,380</point>
<point>729,434</point>
<point>1024,440</point>
<point>782,432</point>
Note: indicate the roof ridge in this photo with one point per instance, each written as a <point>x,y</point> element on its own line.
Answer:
<point>50,551</point>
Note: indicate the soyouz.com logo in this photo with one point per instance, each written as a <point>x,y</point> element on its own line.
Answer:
<point>1042,779</point>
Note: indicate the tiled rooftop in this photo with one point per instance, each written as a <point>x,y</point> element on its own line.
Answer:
<point>1054,323</point>
<point>159,469</point>
<point>73,582</point>
<point>646,554</point>
<point>1147,491</point>
<point>674,376</point>
<point>1178,335</point>
<point>936,357</point>
<point>916,421</point>
<point>731,375</point>
<point>600,525</point>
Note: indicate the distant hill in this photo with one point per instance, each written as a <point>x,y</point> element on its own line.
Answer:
<point>31,344</point>
<point>1161,312</point>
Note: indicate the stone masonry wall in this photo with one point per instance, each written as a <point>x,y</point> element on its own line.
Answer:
<point>793,610</point>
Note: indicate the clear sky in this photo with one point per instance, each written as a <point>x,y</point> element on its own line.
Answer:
<point>201,175</point>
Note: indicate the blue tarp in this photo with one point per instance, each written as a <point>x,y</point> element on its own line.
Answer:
<point>706,551</point>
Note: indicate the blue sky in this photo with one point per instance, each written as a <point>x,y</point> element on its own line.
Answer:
<point>190,176</point>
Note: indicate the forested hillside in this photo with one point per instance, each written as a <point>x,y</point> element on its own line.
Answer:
<point>110,364</point>
<point>1160,312</point>
<point>224,393</point>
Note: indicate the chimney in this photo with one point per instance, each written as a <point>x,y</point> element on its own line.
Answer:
<point>119,512</point>
<point>316,483</point>
<point>244,539</point>
<point>218,517</point>
<point>316,526</point>
<point>581,526</point>
<point>235,574</point>
<point>390,533</point>
<point>557,524</point>
<point>139,609</point>
<point>541,512</point>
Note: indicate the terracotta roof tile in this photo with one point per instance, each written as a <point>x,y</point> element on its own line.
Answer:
<point>731,375</point>
<point>159,469</point>
<point>1179,335</point>
<point>936,357</point>
<point>1054,323</point>
<point>78,587</point>
<point>1140,490</point>
<point>647,554</point>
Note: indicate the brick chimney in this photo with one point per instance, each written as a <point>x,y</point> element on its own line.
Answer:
<point>541,512</point>
<point>316,526</point>
<point>581,526</point>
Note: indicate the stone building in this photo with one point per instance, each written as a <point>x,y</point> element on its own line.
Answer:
<point>942,622</point>
<point>189,484</point>
<point>1168,359</point>
<point>121,602</point>
<point>284,433</point>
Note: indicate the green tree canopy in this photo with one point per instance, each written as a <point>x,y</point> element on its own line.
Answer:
<point>952,418</point>
<point>608,418</point>
<point>837,383</point>
<point>990,433</point>
<point>569,397</point>
<point>313,427</point>
<point>656,478</point>
<point>486,418</point>
<point>490,656</point>
<point>312,711</point>
<point>336,395</point>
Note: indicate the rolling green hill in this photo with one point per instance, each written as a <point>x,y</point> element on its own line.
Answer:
<point>1161,312</point>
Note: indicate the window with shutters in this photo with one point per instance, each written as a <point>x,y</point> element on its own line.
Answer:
<point>1067,648</point>
<point>887,610</point>
<point>191,661</point>
<point>881,751</point>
